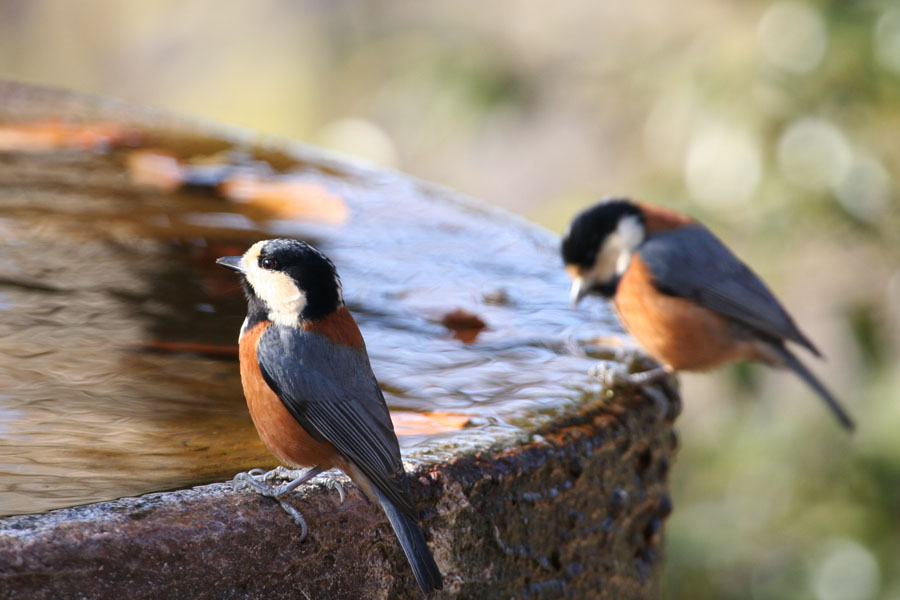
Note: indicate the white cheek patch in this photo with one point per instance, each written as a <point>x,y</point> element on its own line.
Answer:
<point>281,295</point>
<point>622,263</point>
<point>283,298</point>
<point>604,268</point>
<point>615,256</point>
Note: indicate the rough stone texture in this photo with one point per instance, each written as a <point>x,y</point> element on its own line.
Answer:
<point>576,513</point>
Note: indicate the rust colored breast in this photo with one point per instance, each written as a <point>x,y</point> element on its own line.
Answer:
<point>339,327</point>
<point>657,218</point>
<point>281,433</point>
<point>677,332</point>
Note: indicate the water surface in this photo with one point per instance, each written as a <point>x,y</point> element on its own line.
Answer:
<point>118,368</point>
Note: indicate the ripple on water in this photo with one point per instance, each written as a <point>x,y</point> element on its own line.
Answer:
<point>117,360</point>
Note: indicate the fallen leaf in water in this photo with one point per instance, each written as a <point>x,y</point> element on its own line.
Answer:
<point>464,325</point>
<point>461,319</point>
<point>37,136</point>
<point>250,183</point>
<point>152,168</point>
<point>286,197</point>
<point>415,423</point>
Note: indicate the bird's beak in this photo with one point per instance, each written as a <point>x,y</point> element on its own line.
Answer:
<point>579,291</point>
<point>231,262</point>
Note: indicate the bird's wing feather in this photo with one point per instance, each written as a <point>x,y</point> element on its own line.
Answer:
<point>331,391</point>
<point>692,263</point>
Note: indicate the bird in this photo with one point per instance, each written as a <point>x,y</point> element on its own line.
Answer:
<point>310,388</point>
<point>683,295</point>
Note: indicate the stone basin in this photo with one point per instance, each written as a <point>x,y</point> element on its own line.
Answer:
<point>119,376</point>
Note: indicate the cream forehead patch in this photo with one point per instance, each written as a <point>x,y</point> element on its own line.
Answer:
<point>251,256</point>
<point>574,271</point>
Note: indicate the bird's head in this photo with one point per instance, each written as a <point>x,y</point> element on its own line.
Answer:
<point>598,244</point>
<point>287,281</point>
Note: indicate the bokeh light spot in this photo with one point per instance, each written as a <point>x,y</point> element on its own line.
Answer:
<point>847,571</point>
<point>814,154</point>
<point>722,165</point>
<point>887,39</point>
<point>360,138</point>
<point>793,36</point>
<point>865,192</point>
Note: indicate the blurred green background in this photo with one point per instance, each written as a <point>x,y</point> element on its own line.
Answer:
<point>777,124</point>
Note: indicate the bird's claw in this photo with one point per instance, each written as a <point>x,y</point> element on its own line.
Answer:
<point>263,482</point>
<point>281,472</point>
<point>251,481</point>
<point>655,383</point>
<point>260,481</point>
<point>612,373</point>
<point>297,515</point>
<point>296,477</point>
<point>333,483</point>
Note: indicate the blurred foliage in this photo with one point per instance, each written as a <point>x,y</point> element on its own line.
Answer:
<point>774,122</point>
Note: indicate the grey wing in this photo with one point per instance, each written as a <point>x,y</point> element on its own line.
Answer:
<point>331,391</point>
<point>692,263</point>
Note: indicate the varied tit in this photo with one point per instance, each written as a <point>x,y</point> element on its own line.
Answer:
<point>680,292</point>
<point>310,389</point>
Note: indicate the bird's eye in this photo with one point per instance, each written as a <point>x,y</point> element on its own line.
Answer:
<point>268,263</point>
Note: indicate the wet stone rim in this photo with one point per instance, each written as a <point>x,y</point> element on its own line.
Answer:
<point>577,512</point>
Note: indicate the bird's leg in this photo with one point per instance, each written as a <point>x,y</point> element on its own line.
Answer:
<point>256,480</point>
<point>299,477</point>
<point>623,370</point>
<point>281,472</point>
<point>624,364</point>
<point>646,377</point>
<point>653,381</point>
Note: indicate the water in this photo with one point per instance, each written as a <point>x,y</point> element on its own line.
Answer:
<point>118,367</point>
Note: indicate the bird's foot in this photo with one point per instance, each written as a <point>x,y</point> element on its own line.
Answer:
<point>655,382</point>
<point>628,355</point>
<point>332,482</point>
<point>296,477</point>
<point>250,481</point>
<point>612,373</point>
<point>258,480</point>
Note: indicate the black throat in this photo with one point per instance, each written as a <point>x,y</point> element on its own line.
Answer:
<point>321,301</point>
<point>606,289</point>
<point>257,312</point>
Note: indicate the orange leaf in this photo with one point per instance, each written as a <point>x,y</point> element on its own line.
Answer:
<point>286,197</point>
<point>413,423</point>
<point>155,169</point>
<point>47,135</point>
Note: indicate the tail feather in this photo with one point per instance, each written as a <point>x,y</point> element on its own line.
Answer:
<point>793,363</point>
<point>413,543</point>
